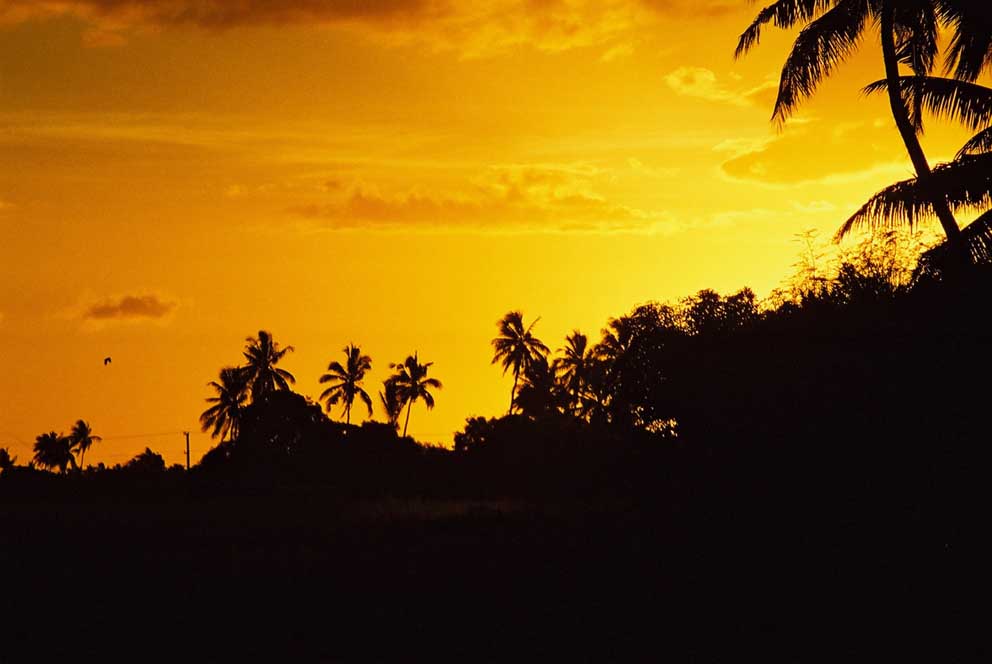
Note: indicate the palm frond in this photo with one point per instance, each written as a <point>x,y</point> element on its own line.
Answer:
<point>978,144</point>
<point>964,183</point>
<point>916,28</point>
<point>967,103</point>
<point>819,48</point>
<point>970,49</point>
<point>783,14</point>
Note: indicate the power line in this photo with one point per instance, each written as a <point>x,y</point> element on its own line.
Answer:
<point>144,435</point>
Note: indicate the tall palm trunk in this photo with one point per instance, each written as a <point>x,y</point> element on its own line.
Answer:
<point>513,392</point>
<point>347,414</point>
<point>409,407</point>
<point>908,133</point>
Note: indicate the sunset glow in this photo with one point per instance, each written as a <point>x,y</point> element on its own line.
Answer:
<point>396,174</point>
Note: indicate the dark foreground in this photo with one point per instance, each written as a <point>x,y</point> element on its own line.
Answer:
<point>305,578</point>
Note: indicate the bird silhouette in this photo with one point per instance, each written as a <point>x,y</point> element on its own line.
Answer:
<point>106,361</point>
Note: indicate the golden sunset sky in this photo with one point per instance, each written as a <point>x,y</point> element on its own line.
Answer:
<point>179,174</point>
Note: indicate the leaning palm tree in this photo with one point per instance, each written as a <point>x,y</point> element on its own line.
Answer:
<point>517,348</point>
<point>223,417</point>
<point>391,401</point>
<point>52,450</point>
<point>411,383</point>
<point>833,30</point>
<point>346,381</point>
<point>573,369</point>
<point>81,438</point>
<point>262,376</point>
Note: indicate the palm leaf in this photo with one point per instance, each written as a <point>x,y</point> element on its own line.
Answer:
<point>819,48</point>
<point>783,14</point>
<point>963,102</point>
<point>977,144</point>
<point>970,48</point>
<point>964,183</point>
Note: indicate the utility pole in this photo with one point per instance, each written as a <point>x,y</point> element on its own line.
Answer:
<point>186,433</point>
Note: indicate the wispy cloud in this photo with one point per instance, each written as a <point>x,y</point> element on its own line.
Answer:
<point>129,307</point>
<point>703,83</point>
<point>506,199</point>
<point>817,153</point>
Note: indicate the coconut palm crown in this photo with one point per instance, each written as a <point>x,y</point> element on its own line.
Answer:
<point>346,381</point>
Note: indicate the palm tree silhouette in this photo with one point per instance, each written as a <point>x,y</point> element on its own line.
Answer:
<point>81,438</point>
<point>262,376</point>
<point>539,392</point>
<point>348,379</point>
<point>573,369</point>
<point>224,416</point>
<point>411,383</point>
<point>833,30</point>
<point>52,450</point>
<point>391,401</point>
<point>517,348</point>
<point>965,182</point>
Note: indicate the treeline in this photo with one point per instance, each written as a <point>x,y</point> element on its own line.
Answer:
<point>854,374</point>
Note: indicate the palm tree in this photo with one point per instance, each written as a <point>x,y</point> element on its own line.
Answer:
<point>833,29</point>
<point>964,183</point>
<point>81,438</point>
<point>262,376</point>
<point>573,369</point>
<point>517,348</point>
<point>411,383</point>
<point>539,393</point>
<point>348,378</point>
<point>224,416</point>
<point>391,401</point>
<point>52,450</point>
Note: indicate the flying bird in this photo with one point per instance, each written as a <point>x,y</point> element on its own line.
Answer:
<point>106,361</point>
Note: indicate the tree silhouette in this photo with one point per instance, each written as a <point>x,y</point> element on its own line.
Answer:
<point>833,30</point>
<point>81,438</point>
<point>348,379</point>
<point>262,376</point>
<point>224,416</point>
<point>539,392</point>
<point>6,461</point>
<point>411,383</point>
<point>517,348</point>
<point>52,450</point>
<point>391,401</point>
<point>573,369</point>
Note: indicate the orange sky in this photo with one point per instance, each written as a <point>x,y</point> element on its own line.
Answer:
<point>398,174</point>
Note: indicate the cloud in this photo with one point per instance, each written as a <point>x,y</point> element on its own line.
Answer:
<point>129,307</point>
<point>819,153</point>
<point>702,83</point>
<point>474,28</point>
<point>507,199</point>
